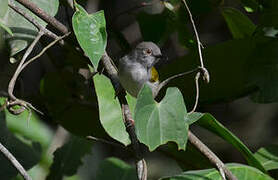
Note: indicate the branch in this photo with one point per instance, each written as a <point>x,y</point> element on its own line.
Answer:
<point>43,15</point>
<point>19,69</point>
<point>33,21</point>
<point>141,166</point>
<point>14,162</point>
<point>211,157</point>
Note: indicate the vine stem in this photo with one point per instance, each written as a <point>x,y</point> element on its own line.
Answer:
<point>196,34</point>
<point>211,157</point>
<point>19,67</point>
<point>191,137</point>
<point>14,162</point>
<point>204,71</point>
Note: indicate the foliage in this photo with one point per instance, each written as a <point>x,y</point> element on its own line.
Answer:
<point>243,64</point>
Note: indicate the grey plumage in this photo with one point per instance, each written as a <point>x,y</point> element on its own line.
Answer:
<point>135,67</point>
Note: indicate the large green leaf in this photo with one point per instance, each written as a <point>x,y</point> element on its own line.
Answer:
<point>26,152</point>
<point>3,8</point>
<point>24,32</point>
<point>159,123</point>
<point>268,156</point>
<point>226,64</point>
<point>116,169</point>
<point>110,110</point>
<point>239,24</point>
<point>67,158</point>
<point>90,32</point>
<point>242,172</point>
<point>210,123</point>
<point>262,70</point>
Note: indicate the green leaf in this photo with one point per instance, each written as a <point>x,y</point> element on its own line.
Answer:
<point>3,8</point>
<point>159,123</point>
<point>210,123</point>
<point>116,169</point>
<point>7,29</point>
<point>110,110</point>
<point>34,130</point>
<point>268,156</point>
<point>26,152</point>
<point>239,24</point>
<point>192,117</point>
<point>262,70</point>
<point>67,158</point>
<point>91,33</point>
<point>226,64</point>
<point>24,32</point>
<point>242,172</point>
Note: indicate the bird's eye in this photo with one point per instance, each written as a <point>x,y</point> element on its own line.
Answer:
<point>148,51</point>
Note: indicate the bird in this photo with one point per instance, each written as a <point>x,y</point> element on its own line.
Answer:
<point>137,68</point>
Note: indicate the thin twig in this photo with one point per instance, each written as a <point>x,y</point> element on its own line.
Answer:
<point>205,75</point>
<point>197,92</point>
<point>43,50</point>
<point>19,69</point>
<point>166,81</point>
<point>104,141</point>
<point>13,100</point>
<point>196,34</point>
<point>43,15</point>
<point>14,162</point>
<point>211,156</point>
<point>192,138</point>
<point>32,20</point>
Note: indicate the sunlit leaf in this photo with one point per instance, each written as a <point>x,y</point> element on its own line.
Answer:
<point>90,32</point>
<point>159,123</point>
<point>110,110</point>
<point>242,172</point>
<point>210,123</point>
<point>268,156</point>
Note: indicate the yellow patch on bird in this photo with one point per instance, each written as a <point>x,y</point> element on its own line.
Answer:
<point>155,75</point>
